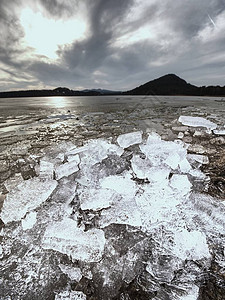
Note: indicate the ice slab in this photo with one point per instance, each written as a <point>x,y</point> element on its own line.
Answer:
<point>67,238</point>
<point>66,169</point>
<point>28,195</point>
<point>202,159</point>
<point>129,139</point>
<point>95,151</point>
<point>163,152</point>
<point>67,295</point>
<point>29,221</point>
<point>124,210</point>
<point>46,169</point>
<point>192,294</point>
<point>219,132</point>
<point>73,158</point>
<point>140,166</point>
<point>72,272</point>
<point>181,184</point>
<point>197,122</point>
<point>121,184</point>
<point>95,199</point>
<point>159,204</point>
<point>190,245</point>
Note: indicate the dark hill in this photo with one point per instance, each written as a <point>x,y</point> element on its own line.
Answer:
<point>169,84</point>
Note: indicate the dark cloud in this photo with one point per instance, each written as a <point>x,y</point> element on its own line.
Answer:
<point>182,39</point>
<point>60,8</point>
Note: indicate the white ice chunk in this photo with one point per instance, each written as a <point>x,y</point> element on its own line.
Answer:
<point>197,122</point>
<point>202,159</point>
<point>72,272</point>
<point>25,197</point>
<point>29,221</point>
<point>191,245</point>
<point>96,199</point>
<point>122,184</point>
<point>185,166</point>
<point>123,211</point>
<point>163,152</point>
<point>180,183</point>
<point>1,252</point>
<point>66,169</point>
<point>95,151</point>
<point>219,132</point>
<point>67,295</point>
<point>67,238</point>
<point>180,135</point>
<point>129,139</point>
<point>143,169</point>
<point>158,204</point>
<point>140,166</point>
<point>192,294</point>
<point>46,169</point>
<point>158,175</point>
<point>73,158</point>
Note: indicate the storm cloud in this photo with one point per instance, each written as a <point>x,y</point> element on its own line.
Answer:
<point>124,43</point>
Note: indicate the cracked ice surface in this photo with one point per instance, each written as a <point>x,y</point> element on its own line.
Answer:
<point>197,122</point>
<point>67,238</point>
<point>25,197</point>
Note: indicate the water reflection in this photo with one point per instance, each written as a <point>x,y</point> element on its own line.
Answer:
<point>58,102</point>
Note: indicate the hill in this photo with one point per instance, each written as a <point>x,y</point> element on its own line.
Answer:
<point>169,84</point>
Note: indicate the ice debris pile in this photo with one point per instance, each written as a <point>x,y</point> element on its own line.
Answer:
<point>108,216</point>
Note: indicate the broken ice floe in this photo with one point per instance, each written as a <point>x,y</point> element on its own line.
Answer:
<point>197,122</point>
<point>129,139</point>
<point>149,192</point>
<point>67,238</point>
<point>28,195</point>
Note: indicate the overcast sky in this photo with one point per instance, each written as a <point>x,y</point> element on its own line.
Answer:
<point>112,44</point>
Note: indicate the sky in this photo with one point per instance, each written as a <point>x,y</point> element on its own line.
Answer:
<point>110,44</point>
